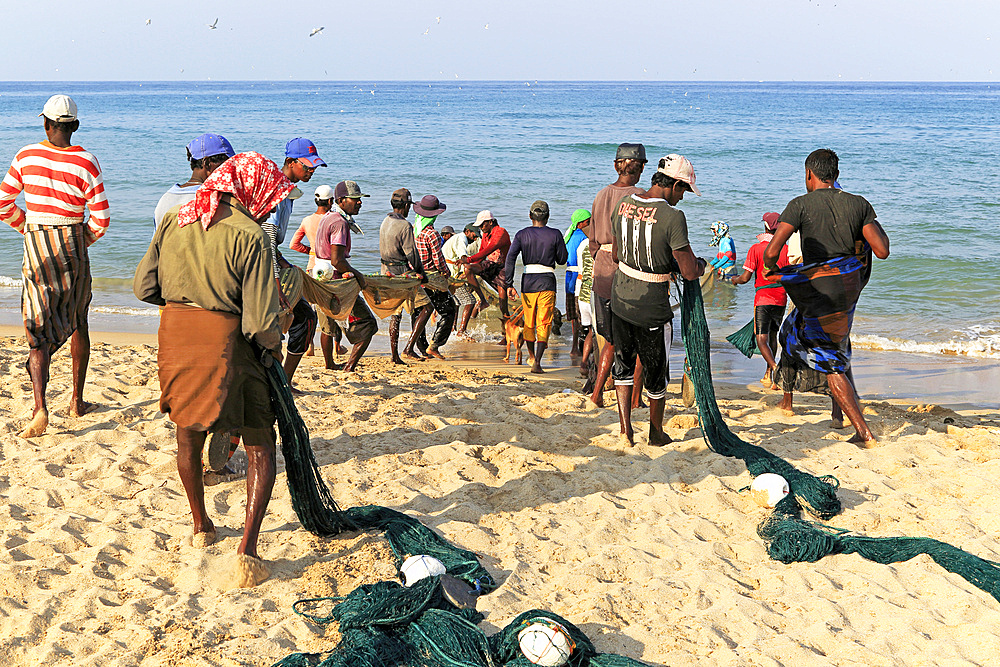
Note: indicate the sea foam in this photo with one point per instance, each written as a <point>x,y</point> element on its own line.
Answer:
<point>985,346</point>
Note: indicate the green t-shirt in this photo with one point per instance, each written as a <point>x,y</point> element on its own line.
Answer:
<point>829,221</point>
<point>647,232</point>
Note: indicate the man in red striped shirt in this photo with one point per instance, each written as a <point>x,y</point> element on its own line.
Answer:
<point>59,180</point>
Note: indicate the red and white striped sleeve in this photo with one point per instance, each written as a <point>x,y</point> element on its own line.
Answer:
<point>97,204</point>
<point>10,188</point>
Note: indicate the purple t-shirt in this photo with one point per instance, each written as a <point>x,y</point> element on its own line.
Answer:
<point>332,230</point>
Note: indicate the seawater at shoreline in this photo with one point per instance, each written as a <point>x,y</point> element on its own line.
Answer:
<point>957,382</point>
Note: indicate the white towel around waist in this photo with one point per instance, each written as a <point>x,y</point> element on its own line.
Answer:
<point>538,268</point>
<point>51,220</point>
<point>642,275</point>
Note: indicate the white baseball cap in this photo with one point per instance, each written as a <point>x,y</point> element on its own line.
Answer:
<point>324,192</point>
<point>60,108</point>
<point>483,217</point>
<point>679,167</point>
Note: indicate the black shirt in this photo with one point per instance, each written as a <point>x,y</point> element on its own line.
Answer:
<point>830,222</point>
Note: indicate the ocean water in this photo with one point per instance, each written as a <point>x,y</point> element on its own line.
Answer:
<point>925,156</point>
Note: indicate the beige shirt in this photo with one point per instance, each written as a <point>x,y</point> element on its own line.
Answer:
<point>224,268</point>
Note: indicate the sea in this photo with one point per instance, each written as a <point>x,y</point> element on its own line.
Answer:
<point>924,154</point>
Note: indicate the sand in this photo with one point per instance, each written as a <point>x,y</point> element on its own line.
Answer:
<point>651,551</point>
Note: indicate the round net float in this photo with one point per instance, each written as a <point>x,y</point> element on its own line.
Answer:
<point>767,489</point>
<point>416,568</point>
<point>545,642</point>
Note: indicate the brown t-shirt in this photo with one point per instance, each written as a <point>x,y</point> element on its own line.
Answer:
<point>601,233</point>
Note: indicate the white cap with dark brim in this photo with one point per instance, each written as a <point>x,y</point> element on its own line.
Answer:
<point>60,108</point>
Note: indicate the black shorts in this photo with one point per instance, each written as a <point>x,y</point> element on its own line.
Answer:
<point>300,334</point>
<point>767,319</point>
<point>650,346</point>
<point>361,324</point>
<point>602,317</point>
<point>494,273</point>
<point>572,310</point>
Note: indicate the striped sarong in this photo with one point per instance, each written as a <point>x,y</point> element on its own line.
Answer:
<point>56,294</point>
<point>817,333</point>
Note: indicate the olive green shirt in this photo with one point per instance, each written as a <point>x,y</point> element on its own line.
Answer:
<point>227,268</point>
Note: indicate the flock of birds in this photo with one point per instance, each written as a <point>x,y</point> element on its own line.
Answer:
<point>312,33</point>
<point>215,24</point>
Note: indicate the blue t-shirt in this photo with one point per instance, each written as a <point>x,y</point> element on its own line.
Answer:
<point>575,240</point>
<point>572,266</point>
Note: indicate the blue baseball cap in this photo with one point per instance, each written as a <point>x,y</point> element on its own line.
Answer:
<point>305,150</point>
<point>208,145</point>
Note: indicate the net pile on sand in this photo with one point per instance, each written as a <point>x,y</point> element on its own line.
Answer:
<point>388,624</point>
<point>789,538</point>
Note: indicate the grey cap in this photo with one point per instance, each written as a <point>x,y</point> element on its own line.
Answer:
<point>540,207</point>
<point>348,189</point>
<point>447,229</point>
<point>631,152</point>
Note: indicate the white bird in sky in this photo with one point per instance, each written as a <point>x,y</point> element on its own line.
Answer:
<point>148,21</point>
<point>427,32</point>
<point>213,25</point>
<point>486,27</point>
<point>316,31</point>
<point>439,20</point>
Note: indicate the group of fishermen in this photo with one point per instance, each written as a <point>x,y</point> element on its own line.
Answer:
<point>214,268</point>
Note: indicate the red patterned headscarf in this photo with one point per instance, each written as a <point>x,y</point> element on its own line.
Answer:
<point>256,182</point>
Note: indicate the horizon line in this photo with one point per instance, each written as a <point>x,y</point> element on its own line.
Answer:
<point>539,81</point>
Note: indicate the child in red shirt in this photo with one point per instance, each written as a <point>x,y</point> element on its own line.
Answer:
<point>769,300</point>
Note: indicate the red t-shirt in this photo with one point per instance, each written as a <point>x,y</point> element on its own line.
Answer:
<point>774,296</point>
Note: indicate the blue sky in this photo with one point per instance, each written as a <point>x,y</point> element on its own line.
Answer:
<point>816,40</point>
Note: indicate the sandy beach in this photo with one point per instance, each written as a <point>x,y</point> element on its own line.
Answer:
<point>651,551</point>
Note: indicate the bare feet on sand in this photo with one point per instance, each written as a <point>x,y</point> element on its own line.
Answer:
<point>249,571</point>
<point>413,355</point>
<point>80,408</point>
<point>398,361</point>
<point>204,538</point>
<point>838,423</point>
<point>39,422</point>
<point>864,443</point>
<point>658,438</point>
<point>435,354</point>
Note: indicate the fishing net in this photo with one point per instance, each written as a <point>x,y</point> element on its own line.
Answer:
<point>816,494</point>
<point>745,340</point>
<point>788,537</point>
<point>441,637</point>
<point>387,624</point>
<point>319,513</point>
